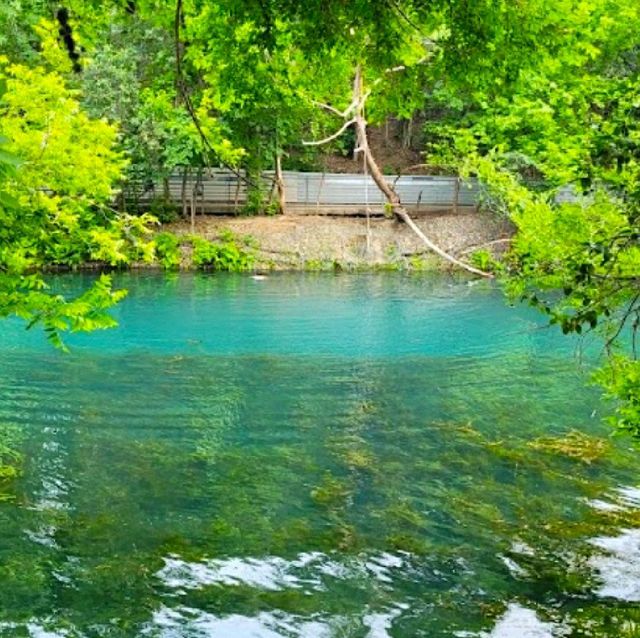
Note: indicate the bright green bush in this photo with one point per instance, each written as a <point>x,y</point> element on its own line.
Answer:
<point>226,255</point>
<point>167,250</point>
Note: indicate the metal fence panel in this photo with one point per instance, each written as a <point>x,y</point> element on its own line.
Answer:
<point>353,189</point>
<point>319,189</point>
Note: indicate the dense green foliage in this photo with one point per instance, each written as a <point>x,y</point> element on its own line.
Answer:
<point>168,252</point>
<point>226,255</point>
<point>559,150</point>
<point>56,171</point>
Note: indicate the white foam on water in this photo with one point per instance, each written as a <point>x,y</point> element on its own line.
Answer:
<point>520,622</point>
<point>517,622</point>
<point>604,506</point>
<point>520,547</point>
<point>37,631</point>
<point>307,570</point>
<point>381,566</point>
<point>630,496</point>
<point>514,569</point>
<point>173,623</point>
<point>380,624</point>
<point>618,569</point>
<point>623,497</point>
<point>44,536</point>
<point>268,573</point>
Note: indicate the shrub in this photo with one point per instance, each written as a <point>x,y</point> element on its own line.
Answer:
<point>226,255</point>
<point>167,250</point>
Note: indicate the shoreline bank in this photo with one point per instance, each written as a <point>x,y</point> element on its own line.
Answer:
<point>314,242</point>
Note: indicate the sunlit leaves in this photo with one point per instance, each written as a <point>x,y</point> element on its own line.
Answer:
<point>64,153</point>
<point>57,169</point>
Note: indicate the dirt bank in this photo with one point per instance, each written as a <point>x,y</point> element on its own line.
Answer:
<point>321,242</point>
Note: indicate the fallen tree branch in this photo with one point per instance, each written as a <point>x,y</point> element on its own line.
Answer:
<point>362,146</point>
<point>334,110</point>
<point>337,134</point>
<point>387,189</point>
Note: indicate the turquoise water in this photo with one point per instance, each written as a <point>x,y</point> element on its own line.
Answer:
<point>313,456</point>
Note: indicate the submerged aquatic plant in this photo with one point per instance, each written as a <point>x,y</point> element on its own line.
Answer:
<point>331,493</point>
<point>575,445</point>
<point>305,487</point>
<point>10,458</point>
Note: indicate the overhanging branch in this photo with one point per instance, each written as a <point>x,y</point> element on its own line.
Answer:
<point>337,134</point>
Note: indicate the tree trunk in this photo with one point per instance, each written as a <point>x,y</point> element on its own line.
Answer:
<point>456,196</point>
<point>166,192</point>
<point>183,192</point>
<point>193,212</point>
<point>387,189</point>
<point>282,200</point>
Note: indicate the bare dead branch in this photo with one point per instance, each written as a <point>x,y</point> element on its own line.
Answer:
<point>388,190</point>
<point>337,134</point>
<point>627,313</point>
<point>334,110</point>
<point>362,146</point>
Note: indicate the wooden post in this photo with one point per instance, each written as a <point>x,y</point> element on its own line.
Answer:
<point>324,170</point>
<point>193,209</point>
<point>237,196</point>
<point>183,192</point>
<point>202,204</point>
<point>456,195</point>
<point>280,185</point>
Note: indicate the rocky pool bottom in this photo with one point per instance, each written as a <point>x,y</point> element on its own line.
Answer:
<point>314,456</point>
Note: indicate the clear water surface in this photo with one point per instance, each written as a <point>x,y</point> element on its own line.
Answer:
<point>353,456</point>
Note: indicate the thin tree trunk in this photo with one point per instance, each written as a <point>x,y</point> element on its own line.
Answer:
<point>408,131</point>
<point>166,192</point>
<point>392,197</point>
<point>193,210</point>
<point>324,170</point>
<point>456,195</point>
<point>236,197</point>
<point>183,192</point>
<point>282,200</point>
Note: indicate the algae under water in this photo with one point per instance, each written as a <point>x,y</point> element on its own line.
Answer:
<point>313,456</point>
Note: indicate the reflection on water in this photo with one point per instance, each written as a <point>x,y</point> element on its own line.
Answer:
<point>619,568</point>
<point>315,456</point>
<point>519,622</point>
